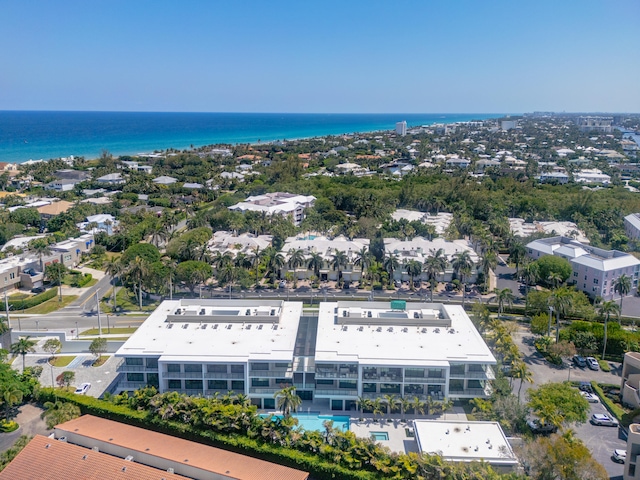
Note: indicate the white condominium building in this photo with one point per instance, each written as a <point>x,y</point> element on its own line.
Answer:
<point>632,226</point>
<point>351,350</point>
<point>279,203</point>
<point>401,128</point>
<point>595,270</point>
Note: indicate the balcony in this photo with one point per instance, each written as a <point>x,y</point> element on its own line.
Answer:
<point>136,368</point>
<point>218,391</point>
<point>270,374</point>
<point>334,374</point>
<point>132,385</point>
<point>337,392</point>
<point>471,392</point>
<point>230,376</point>
<point>168,375</point>
<point>481,375</point>
<point>264,390</point>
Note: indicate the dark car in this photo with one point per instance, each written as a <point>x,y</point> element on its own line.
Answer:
<point>579,361</point>
<point>585,387</point>
<point>38,289</point>
<point>541,428</point>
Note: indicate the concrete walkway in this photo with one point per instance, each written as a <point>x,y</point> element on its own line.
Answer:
<point>30,424</point>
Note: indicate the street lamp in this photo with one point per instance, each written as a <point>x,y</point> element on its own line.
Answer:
<point>37,326</point>
<point>77,332</point>
<point>569,374</point>
<point>549,327</point>
<point>98,307</point>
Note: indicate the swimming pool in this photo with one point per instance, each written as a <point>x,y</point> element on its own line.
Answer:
<point>313,421</point>
<point>380,435</point>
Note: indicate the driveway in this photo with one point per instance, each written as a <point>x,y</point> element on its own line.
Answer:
<point>30,424</point>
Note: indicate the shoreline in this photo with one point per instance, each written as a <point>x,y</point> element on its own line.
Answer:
<point>120,140</point>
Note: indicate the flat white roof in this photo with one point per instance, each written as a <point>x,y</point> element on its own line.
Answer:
<point>463,441</point>
<point>424,334</point>
<point>176,331</point>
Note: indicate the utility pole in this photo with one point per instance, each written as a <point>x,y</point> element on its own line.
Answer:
<point>98,307</point>
<point>6,309</point>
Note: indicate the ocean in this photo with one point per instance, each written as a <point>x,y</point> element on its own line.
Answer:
<point>32,135</point>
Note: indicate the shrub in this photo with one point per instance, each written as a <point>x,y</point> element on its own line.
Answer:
<point>81,280</point>
<point>8,426</point>
<point>609,404</point>
<point>31,301</point>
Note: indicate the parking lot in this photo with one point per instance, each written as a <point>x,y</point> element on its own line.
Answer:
<point>602,441</point>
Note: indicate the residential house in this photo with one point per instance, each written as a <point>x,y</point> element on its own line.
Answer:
<point>111,179</point>
<point>164,180</point>
<point>285,204</point>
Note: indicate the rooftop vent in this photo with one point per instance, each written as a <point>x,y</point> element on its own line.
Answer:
<point>95,449</point>
<point>248,312</point>
<point>436,330</point>
<point>249,327</point>
<point>128,458</point>
<point>47,445</point>
<point>203,326</point>
<point>344,313</point>
<point>405,329</point>
<point>369,315</point>
<point>344,328</point>
<point>273,312</point>
<point>215,327</point>
<point>360,329</point>
<point>416,315</point>
<point>202,311</point>
<point>170,326</point>
<point>275,327</point>
<point>379,329</point>
<point>170,470</point>
<point>259,327</point>
<point>84,457</point>
<point>186,325</point>
<point>424,330</point>
<point>179,311</point>
<point>62,439</point>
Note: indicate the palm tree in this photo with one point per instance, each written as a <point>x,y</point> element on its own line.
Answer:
<point>417,406</point>
<point>391,264</point>
<point>363,259</point>
<point>622,286</point>
<point>41,248</point>
<point>296,259</point>
<point>462,266</point>
<point>22,347</point>
<point>554,279</point>
<point>137,271</point>
<point>338,260</point>
<point>606,309</point>
<point>520,371</point>
<point>504,295</point>
<point>435,264</point>
<point>391,400</point>
<point>114,268</point>
<point>315,263</point>
<point>10,396</point>
<point>414,269</point>
<point>517,253</point>
<point>56,413</point>
<point>275,263</point>
<point>531,273</point>
<point>561,300</point>
<point>287,400</point>
<point>488,262</point>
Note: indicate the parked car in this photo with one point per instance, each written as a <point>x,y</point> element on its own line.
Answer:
<point>38,289</point>
<point>579,361</point>
<point>619,456</point>
<point>604,420</point>
<point>592,363</point>
<point>585,387</point>
<point>283,284</point>
<point>397,283</point>
<point>590,397</point>
<point>82,389</point>
<point>541,428</point>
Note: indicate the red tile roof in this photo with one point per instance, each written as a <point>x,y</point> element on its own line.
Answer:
<point>141,443</point>
<point>48,459</point>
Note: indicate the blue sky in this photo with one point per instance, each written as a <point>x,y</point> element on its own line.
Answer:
<point>323,56</point>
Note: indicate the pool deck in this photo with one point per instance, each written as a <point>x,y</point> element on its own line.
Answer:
<point>393,424</point>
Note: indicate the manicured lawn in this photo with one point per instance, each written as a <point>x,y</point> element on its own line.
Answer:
<point>51,305</point>
<point>126,301</point>
<point>62,361</point>
<point>119,330</point>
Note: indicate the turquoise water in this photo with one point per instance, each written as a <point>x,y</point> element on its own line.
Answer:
<point>380,435</point>
<point>315,421</point>
<point>36,135</point>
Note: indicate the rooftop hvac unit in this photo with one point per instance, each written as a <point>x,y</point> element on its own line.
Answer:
<point>128,458</point>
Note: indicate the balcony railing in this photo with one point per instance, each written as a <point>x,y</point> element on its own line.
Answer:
<point>338,392</point>
<point>182,375</point>
<point>135,368</point>
<point>471,392</point>
<point>321,374</point>
<point>271,373</point>
<point>263,390</point>
<point>224,375</point>
<point>132,385</point>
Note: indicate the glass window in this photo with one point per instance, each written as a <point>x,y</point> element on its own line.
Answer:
<point>413,389</point>
<point>474,384</point>
<point>389,388</point>
<point>456,385</point>
<point>369,388</point>
<point>193,368</point>
<point>284,381</point>
<point>269,403</point>
<point>283,365</point>
<point>414,372</point>
<point>137,362</point>
<point>348,385</point>
<point>324,382</point>
<point>259,382</point>
<point>457,369</point>
<point>152,363</point>
<point>135,377</point>
<point>173,367</point>
<point>175,384</point>
<point>216,368</point>
<point>193,384</point>
<point>237,368</point>
<point>259,366</point>
<point>152,379</point>
<point>435,373</point>
<point>217,384</point>
<point>237,385</point>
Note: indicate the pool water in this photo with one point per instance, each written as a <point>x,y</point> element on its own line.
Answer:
<point>315,422</point>
<point>380,435</point>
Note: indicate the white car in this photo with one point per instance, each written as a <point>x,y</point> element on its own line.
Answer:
<point>603,419</point>
<point>590,397</point>
<point>619,456</point>
<point>82,389</point>
<point>592,363</point>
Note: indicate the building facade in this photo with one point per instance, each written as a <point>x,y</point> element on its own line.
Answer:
<point>351,350</point>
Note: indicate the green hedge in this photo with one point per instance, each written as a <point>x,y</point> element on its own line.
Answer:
<point>82,280</point>
<point>318,468</point>
<point>614,409</point>
<point>30,301</point>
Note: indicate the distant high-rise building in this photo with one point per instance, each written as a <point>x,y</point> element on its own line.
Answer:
<point>508,124</point>
<point>595,124</point>
<point>401,128</point>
